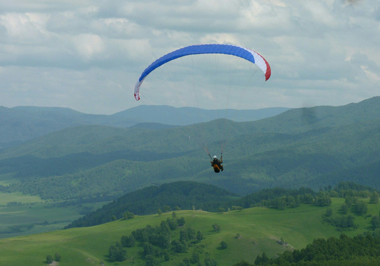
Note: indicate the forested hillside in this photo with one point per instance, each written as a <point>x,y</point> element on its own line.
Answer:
<point>302,147</point>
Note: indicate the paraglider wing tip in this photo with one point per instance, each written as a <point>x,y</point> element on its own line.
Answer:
<point>137,90</point>
<point>263,64</point>
<point>268,73</point>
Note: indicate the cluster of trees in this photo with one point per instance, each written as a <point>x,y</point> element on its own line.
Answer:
<point>128,215</point>
<point>158,244</point>
<point>290,201</point>
<point>196,238</point>
<point>358,250</point>
<point>342,222</point>
<point>261,197</point>
<point>13,203</point>
<point>157,241</point>
<point>17,228</point>
<point>344,189</point>
<point>355,206</point>
<point>117,252</point>
<point>50,258</point>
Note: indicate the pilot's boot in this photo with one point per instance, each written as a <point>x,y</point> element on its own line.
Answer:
<point>216,169</point>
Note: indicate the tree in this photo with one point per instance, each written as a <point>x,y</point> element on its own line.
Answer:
<point>191,233</point>
<point>375,222</point>
<point>183,236</point>
<point>49,259</point>
<point>280,203</point>
<point>223,245</point>
<point>166,208</point>
<point>282,241</point>
<point>360,207</point>
<point>57,257</point>
<point>159,212</point>
<point>150,261</point>
<point>117,253</point>
<point>261,259</point>
<point>181,221</point>
<point>323,199</point>
<point>179,247</point>
<point>165,227</point>
<point>344,209</point>
<point>329,212</point>
<point>130,215</point>
<point>242,263</point>
<point>173,224</point>
<point>374,199</point>
<point>186,261</point>
<point>174,215</point>
<point>148,249</point>
<point>128,241</point>
<point>210,262</point>
<point>194,257</point>
<point>199,236</point>
<point>350,200</point>
<point>216,228</point>
<point>166,256</point>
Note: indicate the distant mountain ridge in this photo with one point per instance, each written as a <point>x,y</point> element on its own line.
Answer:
<point>20,124</point>
<point>331,144</point>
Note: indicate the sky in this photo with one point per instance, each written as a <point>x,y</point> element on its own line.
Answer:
<point>88,55</point>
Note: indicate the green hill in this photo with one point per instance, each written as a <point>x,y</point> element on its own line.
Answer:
<point>247,233</point>
<point>181,195</point>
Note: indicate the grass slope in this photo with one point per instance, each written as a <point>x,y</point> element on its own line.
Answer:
<point>259,228</point>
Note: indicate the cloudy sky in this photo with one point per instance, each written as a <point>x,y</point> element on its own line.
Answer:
<point>88,55</point>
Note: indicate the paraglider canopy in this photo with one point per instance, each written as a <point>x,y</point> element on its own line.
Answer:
<point>227,49</point>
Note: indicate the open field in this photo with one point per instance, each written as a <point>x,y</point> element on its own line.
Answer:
<point>259,229</point>
<point>18,197</point>
<point>34,218</point>
<point>24,214</point>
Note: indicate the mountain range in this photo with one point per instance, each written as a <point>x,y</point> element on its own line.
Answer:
<point>23,123</point>
<point>312,147</point>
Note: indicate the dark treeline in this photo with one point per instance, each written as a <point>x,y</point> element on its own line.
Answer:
<point>278,198</point>
<point>358,250</point>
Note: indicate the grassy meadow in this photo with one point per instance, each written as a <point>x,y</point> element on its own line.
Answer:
<point>259,229</point>
<point>25,214</point>
<point>18,197</point>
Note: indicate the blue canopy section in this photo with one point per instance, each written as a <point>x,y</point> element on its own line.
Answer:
<point>199,49</point>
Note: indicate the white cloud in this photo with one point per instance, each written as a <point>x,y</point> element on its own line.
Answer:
<point>72,53</point>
